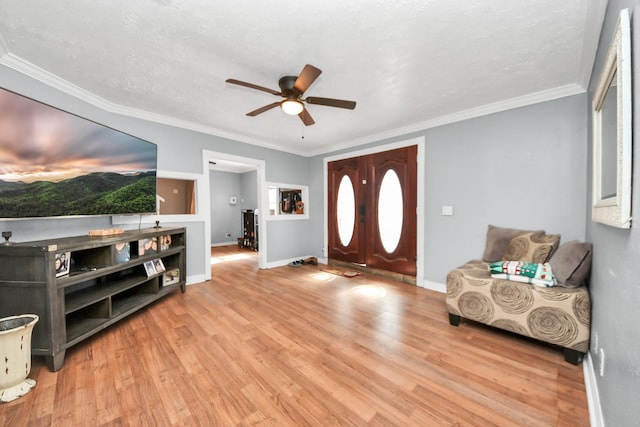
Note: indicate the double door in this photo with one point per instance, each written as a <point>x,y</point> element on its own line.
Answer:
<point>372,210</point>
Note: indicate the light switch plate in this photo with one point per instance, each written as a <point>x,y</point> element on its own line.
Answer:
<point>447,210</point>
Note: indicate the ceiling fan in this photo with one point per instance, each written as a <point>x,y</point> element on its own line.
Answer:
<point>291,89</point>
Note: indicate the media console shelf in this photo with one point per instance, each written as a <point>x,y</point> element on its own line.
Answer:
<point>80,285</point>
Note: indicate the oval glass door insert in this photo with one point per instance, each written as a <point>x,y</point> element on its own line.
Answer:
<point>390,211</point>
<point>346,210</point>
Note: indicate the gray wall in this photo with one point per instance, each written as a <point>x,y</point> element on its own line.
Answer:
<point>615,284</point>
<point>225,217</point>
<point>522,168</point>
<point>249,190</point>
<point>179,150</point>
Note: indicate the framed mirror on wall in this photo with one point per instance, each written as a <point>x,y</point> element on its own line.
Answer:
<point>612,132</point>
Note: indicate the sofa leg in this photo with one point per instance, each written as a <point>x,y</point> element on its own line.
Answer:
<point>454,319</point>
<point>573,356</point>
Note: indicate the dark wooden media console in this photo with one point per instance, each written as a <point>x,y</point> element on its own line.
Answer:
<point>80,285</point>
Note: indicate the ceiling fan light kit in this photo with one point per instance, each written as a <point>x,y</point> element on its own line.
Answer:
<point>292,107</point>
<point>292,88</point>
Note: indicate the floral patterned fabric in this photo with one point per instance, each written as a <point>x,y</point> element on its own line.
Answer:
<point>555,315</point>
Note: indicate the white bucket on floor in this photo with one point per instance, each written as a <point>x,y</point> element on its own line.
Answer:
<point>15,356</point>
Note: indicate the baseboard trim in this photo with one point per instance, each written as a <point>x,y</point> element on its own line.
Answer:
<point>593,397</point>
<point>214,245</point>
<point>196,278</point>
<point>434,286</point>
<point>283,262</point>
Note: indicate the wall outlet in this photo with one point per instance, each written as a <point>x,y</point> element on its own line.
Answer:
<point>601,362</point>
<point>227,235</point>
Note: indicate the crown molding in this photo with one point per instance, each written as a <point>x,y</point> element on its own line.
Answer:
<point>496,107</point>
<point>43,76</point>
<point>18,64</point>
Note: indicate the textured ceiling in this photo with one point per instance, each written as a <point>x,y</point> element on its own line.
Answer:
<point>409,64</point>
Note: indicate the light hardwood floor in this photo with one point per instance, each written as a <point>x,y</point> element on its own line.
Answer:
<point>302,347</point>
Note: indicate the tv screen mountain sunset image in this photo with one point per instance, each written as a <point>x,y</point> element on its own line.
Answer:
<point>53,163</point>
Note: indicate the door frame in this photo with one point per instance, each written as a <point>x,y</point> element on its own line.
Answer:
<point>260,166</point>
<point>420,143</point>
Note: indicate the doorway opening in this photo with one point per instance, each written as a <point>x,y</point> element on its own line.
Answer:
<point>235,184</point>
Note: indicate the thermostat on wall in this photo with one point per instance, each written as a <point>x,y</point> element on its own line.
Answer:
<point>233,200</point>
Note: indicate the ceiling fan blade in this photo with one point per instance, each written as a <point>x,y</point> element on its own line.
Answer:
<point>252,86</point>
<point>263,109</point>
<point>308,75</point>
<point>306,117</point>
<point>330,102</point>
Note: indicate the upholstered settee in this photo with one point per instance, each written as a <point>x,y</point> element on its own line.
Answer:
<point>557,311</point>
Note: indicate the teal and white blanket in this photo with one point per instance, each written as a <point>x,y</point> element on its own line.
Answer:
<point>527,272</point>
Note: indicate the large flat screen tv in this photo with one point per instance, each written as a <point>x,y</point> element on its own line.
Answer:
<point>56,164</point>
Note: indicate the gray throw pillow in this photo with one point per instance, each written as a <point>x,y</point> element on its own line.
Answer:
<point>532,247</point>
<point>498,239</point>
<point>571,263</point>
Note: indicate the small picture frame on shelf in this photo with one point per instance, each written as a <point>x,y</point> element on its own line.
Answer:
<point>147,246</point>
<point>62,262</point>
<point>122,252</point>
<point>158,265</point>
<point>170,277</point>
<point>150,268</point>
<point>165,242</point>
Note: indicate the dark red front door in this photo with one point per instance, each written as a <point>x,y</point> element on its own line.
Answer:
<point>372,210</point>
